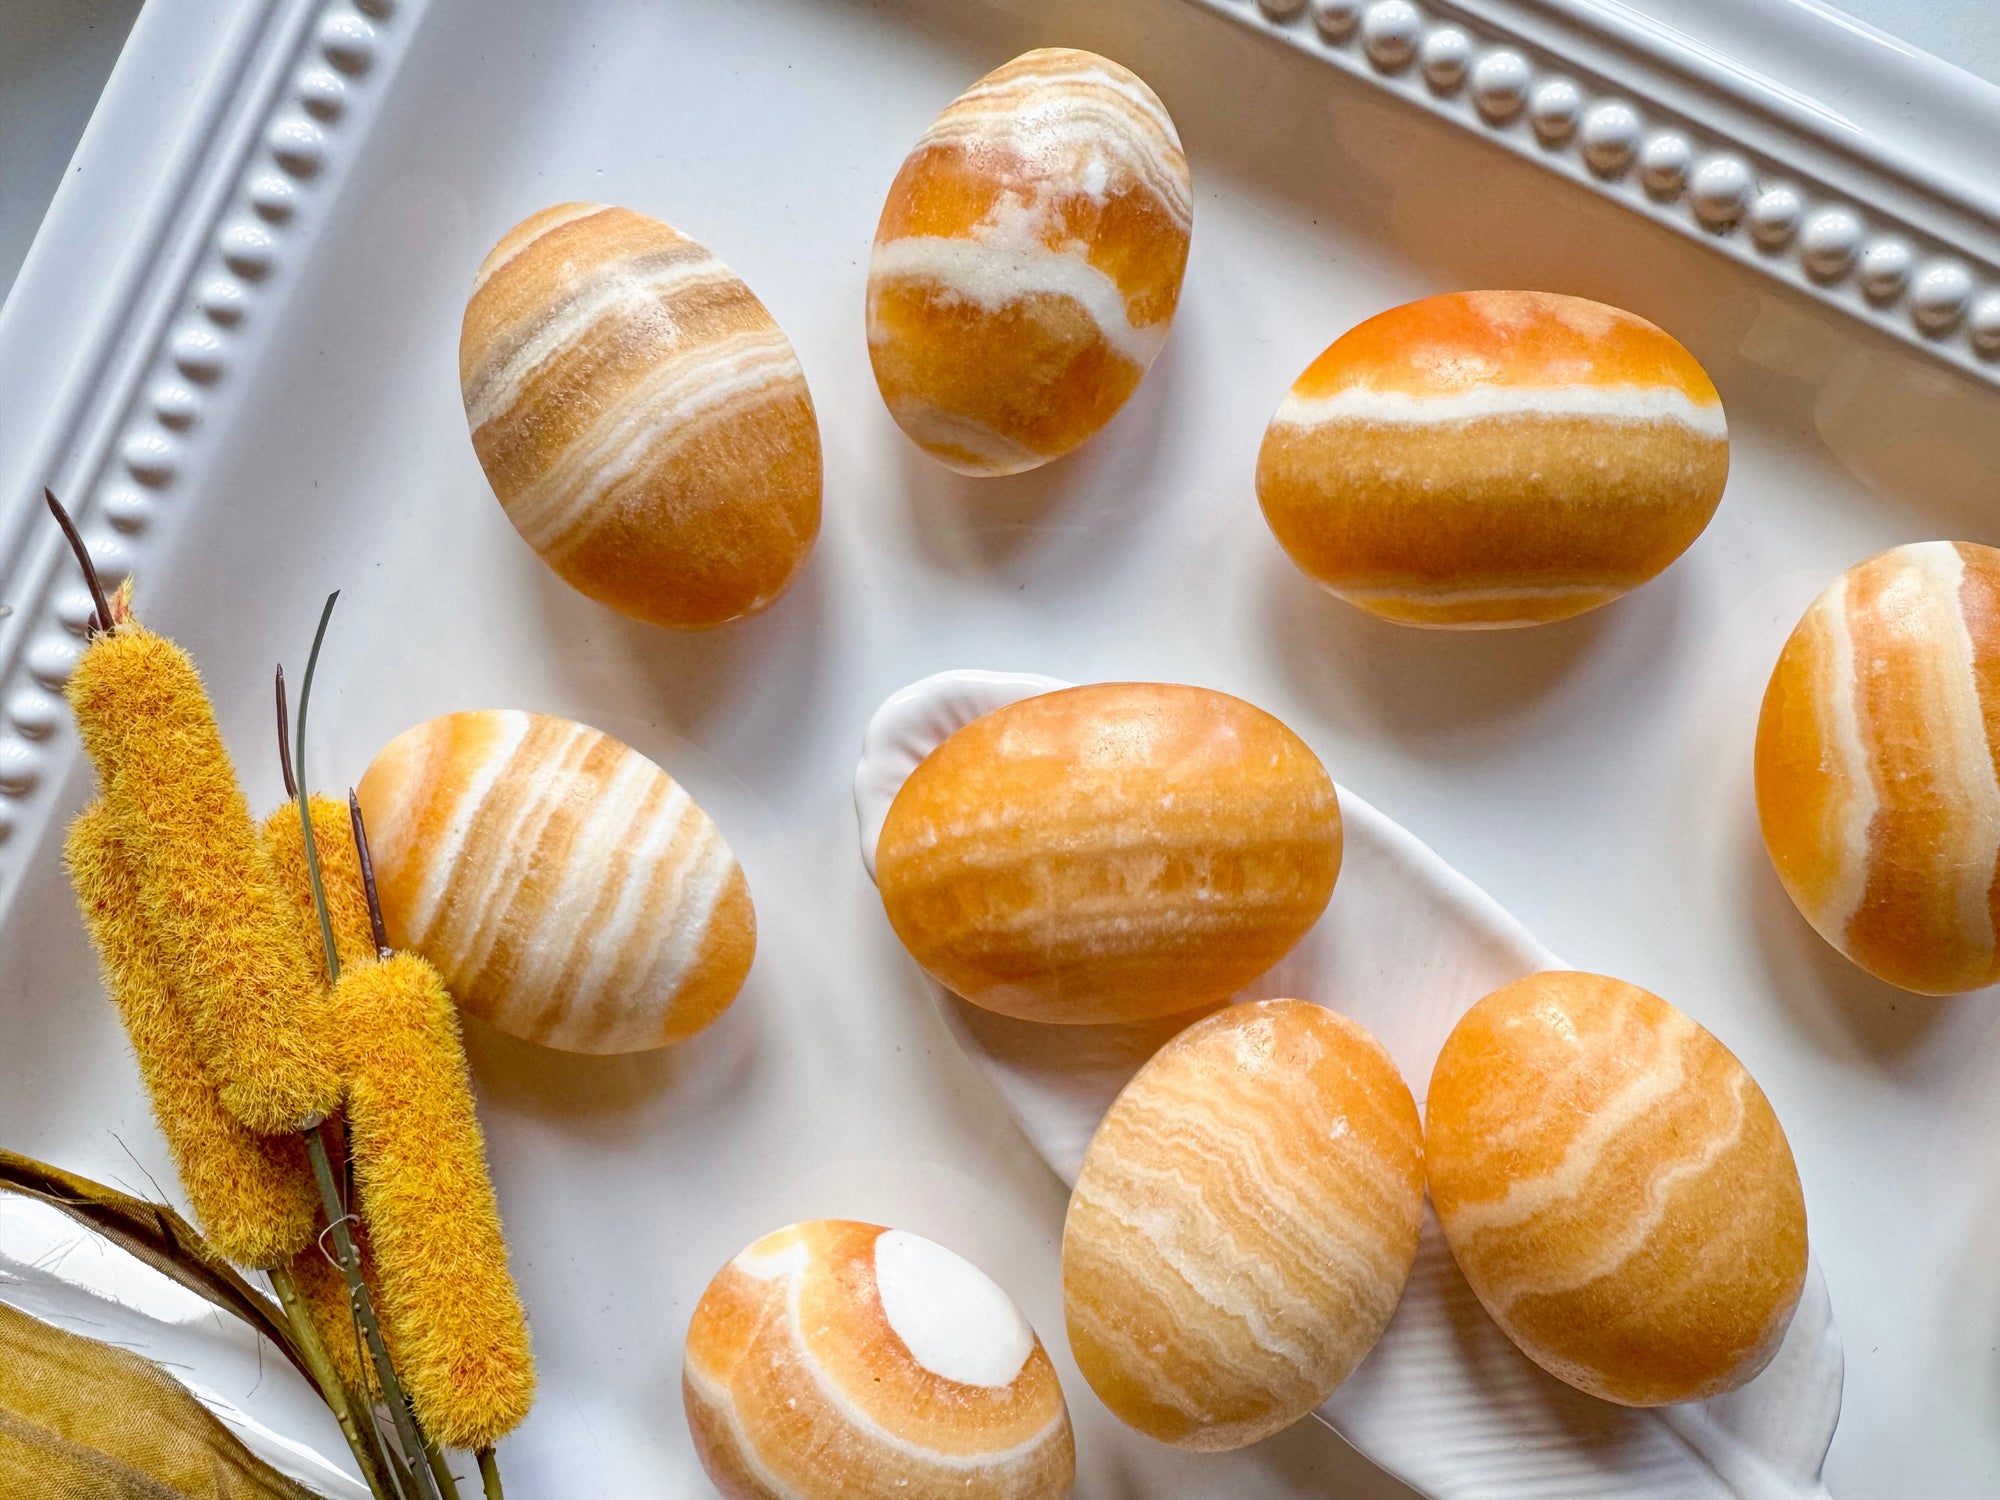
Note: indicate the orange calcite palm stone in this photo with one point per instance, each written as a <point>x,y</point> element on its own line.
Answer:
<point>1487,459</point>
<point>834,1360</point>
<point>1616,1189</point>
<point>1028,261</point>
<point>1876,766</point>
<point>1244,1224</point>
<point>642,419</point>
<point>1110,853</point>
<point>568,889</point>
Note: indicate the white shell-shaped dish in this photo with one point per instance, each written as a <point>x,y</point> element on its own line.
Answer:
<point>1445,1402</point>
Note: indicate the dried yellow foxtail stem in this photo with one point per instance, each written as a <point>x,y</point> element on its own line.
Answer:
<point>420,1166</point>
<point>340,871</point>
<point>252,1195</point>
<point>206,889</point>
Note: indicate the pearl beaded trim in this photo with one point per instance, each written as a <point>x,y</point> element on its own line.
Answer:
<point>1744,201</point>
<point>320,55</point>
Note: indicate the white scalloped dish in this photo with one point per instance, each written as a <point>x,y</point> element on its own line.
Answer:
<point>1445,1402</point>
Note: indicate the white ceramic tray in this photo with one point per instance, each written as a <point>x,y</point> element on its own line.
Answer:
<point>233,348</point>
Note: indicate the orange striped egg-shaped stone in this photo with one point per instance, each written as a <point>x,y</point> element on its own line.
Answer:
<point>643,420</point>
<point>835,1360</point>
<point>1486,459</point>
<point>1244,1224</point>
<point>1616,1189</point>
<point>1028,261</point>
<point>1109,853</point>
<point>566,887</point>
<point>1876,766</point>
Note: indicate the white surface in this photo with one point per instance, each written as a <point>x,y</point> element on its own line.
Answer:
<point>1593,775</point>
<point>1963,32</point>
<point>950,1315</point>
<point>1443,1401</point>
<point>1629,403</point>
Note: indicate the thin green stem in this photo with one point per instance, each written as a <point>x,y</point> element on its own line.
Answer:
<point>332,1388</point>
<point>489,1474</point>
<point>305,802</point>
<point>440,1471</point>
<point>431,1480</point>
<point>364,1311</point>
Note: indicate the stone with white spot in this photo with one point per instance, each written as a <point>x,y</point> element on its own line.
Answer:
<point>836,1359</point>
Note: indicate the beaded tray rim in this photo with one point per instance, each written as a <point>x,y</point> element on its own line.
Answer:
<point>1702,136</point>
<point>218,148</point>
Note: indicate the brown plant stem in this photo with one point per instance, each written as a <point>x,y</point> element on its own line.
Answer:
<point>284,740</point>
<point>100,619</point>
<point>377,926</point>
<point>331,1388</point>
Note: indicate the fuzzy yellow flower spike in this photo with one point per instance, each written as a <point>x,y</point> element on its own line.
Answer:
<point>420,1166</point>
<point>206,889</point>
<point>284,844</point>
<point>252,1195</point>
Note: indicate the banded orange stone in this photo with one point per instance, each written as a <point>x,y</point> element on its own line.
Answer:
<point>641,417</point>
<point>835,1359</point>
<point>1110,853</point>
<point>1487,459</point>
<point>568,889</point>
<point>1876,766</point>
<point>1244,1224</point>
<point>1616,1189</point>
<point>1028,261</point>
